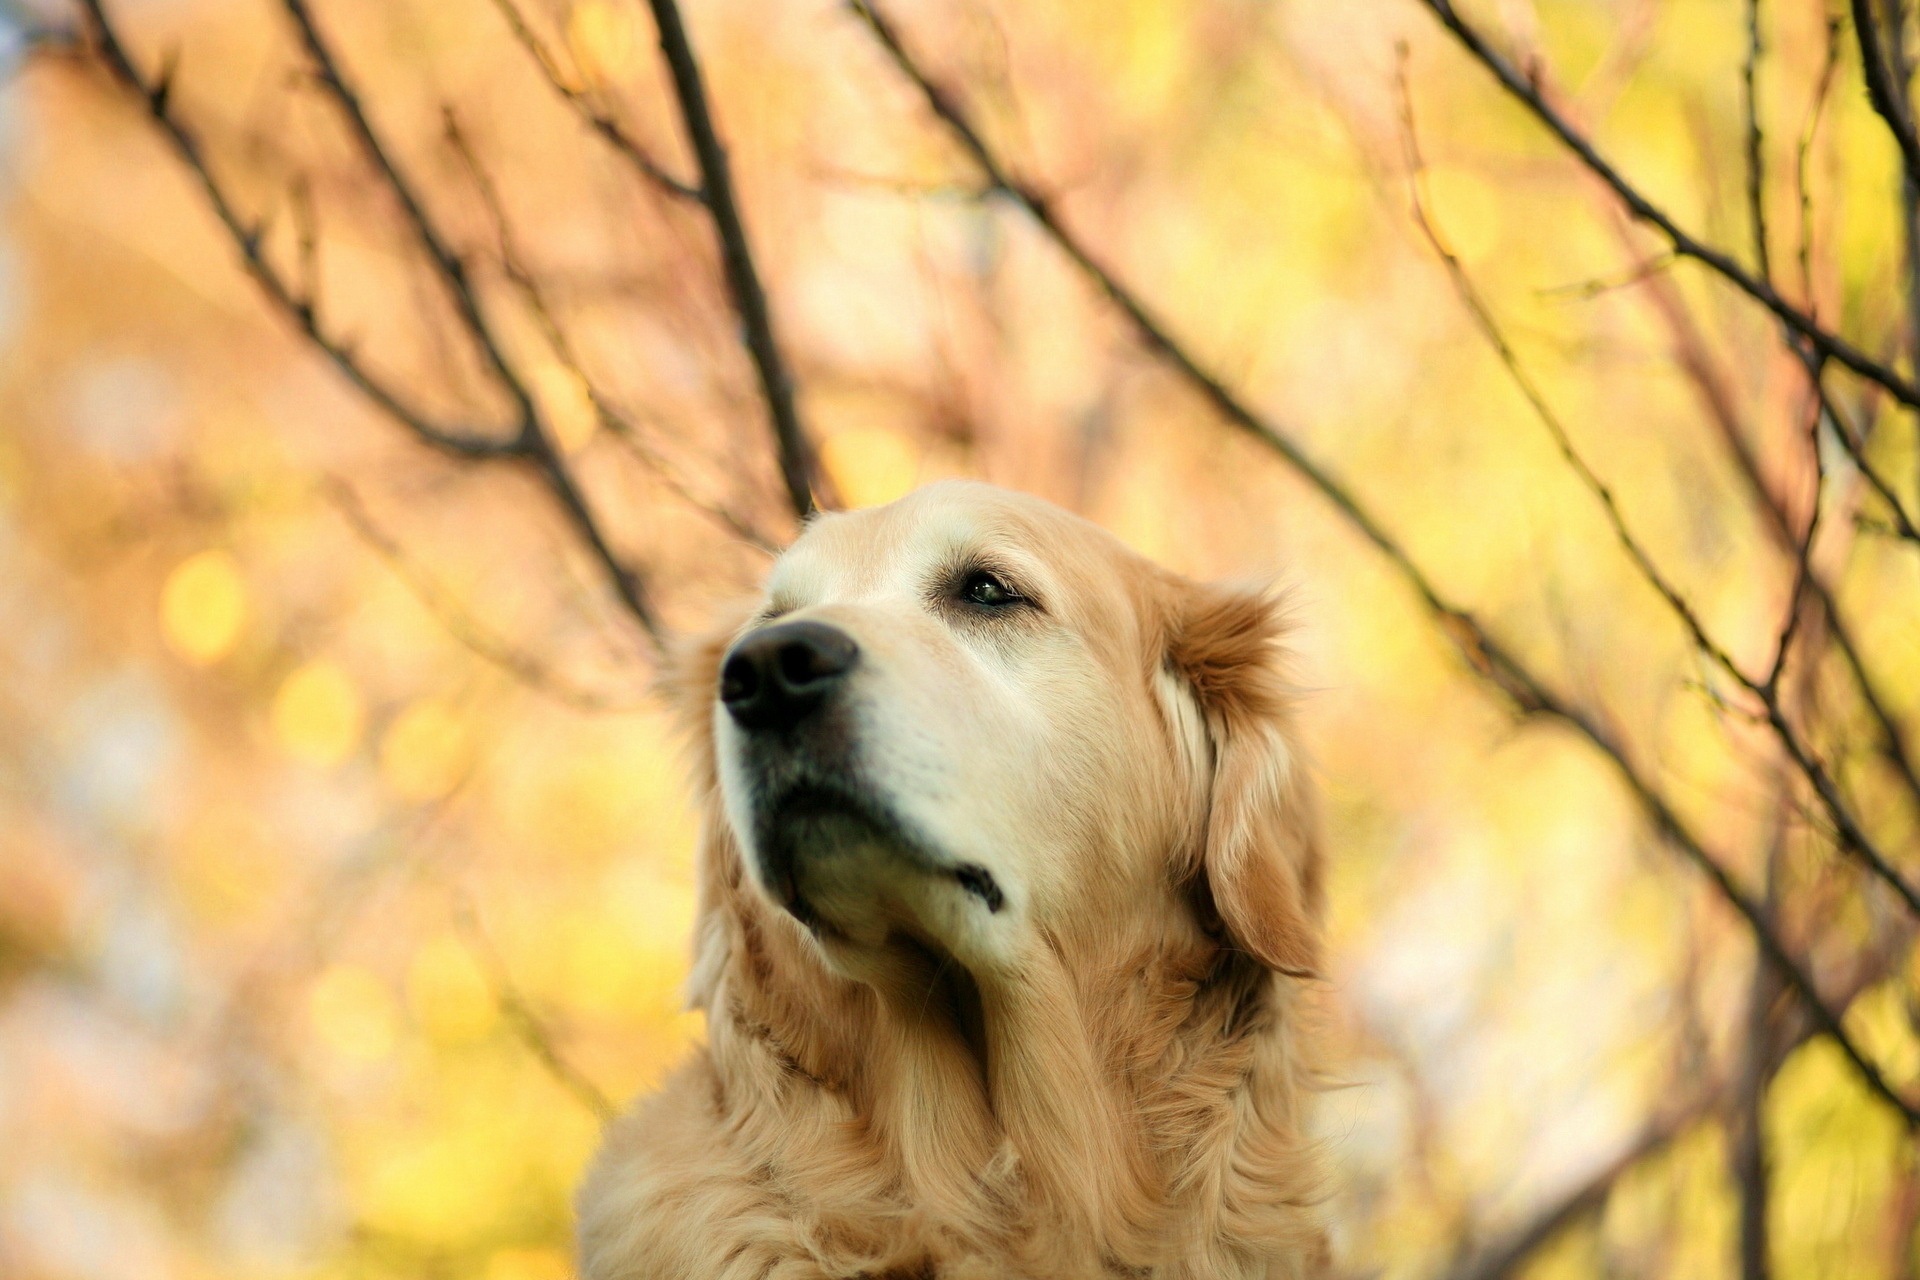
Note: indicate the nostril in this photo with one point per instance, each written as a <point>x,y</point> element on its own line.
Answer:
<point>798,664</point>
<point>739,681</point>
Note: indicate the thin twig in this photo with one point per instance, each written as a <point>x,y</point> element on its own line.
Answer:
<point>1691,352</point>
<point>534,437</point>
<point>794,451</point>
<point>1880,87</point>
<point>1803,559</point>
<point>557,340</point>
<point>302,309</point>
<point>1498,1261</point>
<point>1482,652</point>
<point>1829,67</point>
<point>1578,1203</point>
<point>598,118</point>
<point>526,441</point>
<point>454,617</point>
<point>1902,525</point>
<point>1756,154</point>
<point>526,1023</point>
<point>1853,833</point>
<point>447,265</point>
<point>1526,91</point>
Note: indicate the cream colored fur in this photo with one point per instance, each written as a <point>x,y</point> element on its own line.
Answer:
<point>1106,1077</point>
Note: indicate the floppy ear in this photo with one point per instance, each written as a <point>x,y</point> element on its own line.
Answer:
<point>1261,857</point>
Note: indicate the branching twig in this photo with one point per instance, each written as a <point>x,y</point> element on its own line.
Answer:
<point>1756,151</point>
<point>527,441</point>
<point>1881,90</point>
<point>1510,1255</point>
<point>602,122</point>
<point>798,465</point>
<point>1527,92</point>
<point>453,616</point>
<point>301,308</point>
<point>1483,653</point>
<point>1853,833</point>
<point>562,347</point>
<point>525,1021</point>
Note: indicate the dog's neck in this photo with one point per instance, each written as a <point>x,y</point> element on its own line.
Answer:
<point>1097,1117</point>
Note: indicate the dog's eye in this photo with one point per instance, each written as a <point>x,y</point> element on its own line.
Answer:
<point>989,589</point>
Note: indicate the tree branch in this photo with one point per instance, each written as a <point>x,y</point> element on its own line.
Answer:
<point>526,1023</point>
<point>297,305</point>
<point>531,292</point>
<point>1881,90</point>
<point>598,119</point>
<point>534,438</point>
<point>1756,151</point>
<point>1482,652</point>
<point>1830,345</point>
<point>454,617</point>
<point>1853,834</point>
<point>794,451</point>
<point>1506,1258</point>
<point>529,441</point>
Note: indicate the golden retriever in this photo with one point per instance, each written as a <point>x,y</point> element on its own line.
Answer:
<point>1010,877</point>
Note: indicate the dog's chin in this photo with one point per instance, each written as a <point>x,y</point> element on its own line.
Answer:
<point>849,868</point>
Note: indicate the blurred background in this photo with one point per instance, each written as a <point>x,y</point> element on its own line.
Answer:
<point>344,851</point>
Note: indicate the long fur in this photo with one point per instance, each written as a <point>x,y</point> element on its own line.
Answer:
<point>1136,1111</point>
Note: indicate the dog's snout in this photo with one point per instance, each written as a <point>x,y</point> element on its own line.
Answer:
<point>775,677</point>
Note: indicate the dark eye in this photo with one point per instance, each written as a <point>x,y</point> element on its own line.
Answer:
<point>988,589</point>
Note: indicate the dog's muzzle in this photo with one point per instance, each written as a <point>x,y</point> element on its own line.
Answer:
<point>779,675</point>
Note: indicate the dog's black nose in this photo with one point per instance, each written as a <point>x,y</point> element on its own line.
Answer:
<point>776,676</point>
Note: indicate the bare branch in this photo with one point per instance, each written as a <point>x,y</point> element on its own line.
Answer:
<point>526,1023</point>
<point>1510,1255</point>
<point>1902,524</point>
<point>1526,91</point>
<point>1881,91</point>
<point>1756,153</point>
<point>528,442</point>
<point>1505,1258</point>
<point>455,617</point>
<point>1482,652</point>
<point>615,422</point>
<point>798,465</point>
<point>1829,67</point>
<point>1853,834</point>
<point>301,308</point>
<point>533,435</point>
<point>447,264</point>
<point>602,122</point>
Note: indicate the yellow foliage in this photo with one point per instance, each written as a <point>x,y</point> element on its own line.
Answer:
<point>443,1188</point>
<point>317,714</point>
<point>425,751</point>
<point>220,868</point>
<point>1465,209</point>
<point>568,405</point>
<point>1834,1150</point>
<point>870,465</point>
<point>203,607</point>
<point>448,993</point>
<point>602,37</point>
<point>352,1013</point>
<point>528,1264</point>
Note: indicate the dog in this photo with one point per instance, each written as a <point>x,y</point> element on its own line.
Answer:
<point>1009,903</point>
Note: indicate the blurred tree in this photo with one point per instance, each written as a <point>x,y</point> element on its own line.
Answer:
<point>344,880</point>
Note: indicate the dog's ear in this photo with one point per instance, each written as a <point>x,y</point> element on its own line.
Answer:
<point>1261,853</point>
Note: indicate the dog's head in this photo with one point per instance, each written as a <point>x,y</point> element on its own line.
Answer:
<point>973,724</point>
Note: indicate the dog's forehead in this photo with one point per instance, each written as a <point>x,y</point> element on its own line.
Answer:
<point>899,547</point>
